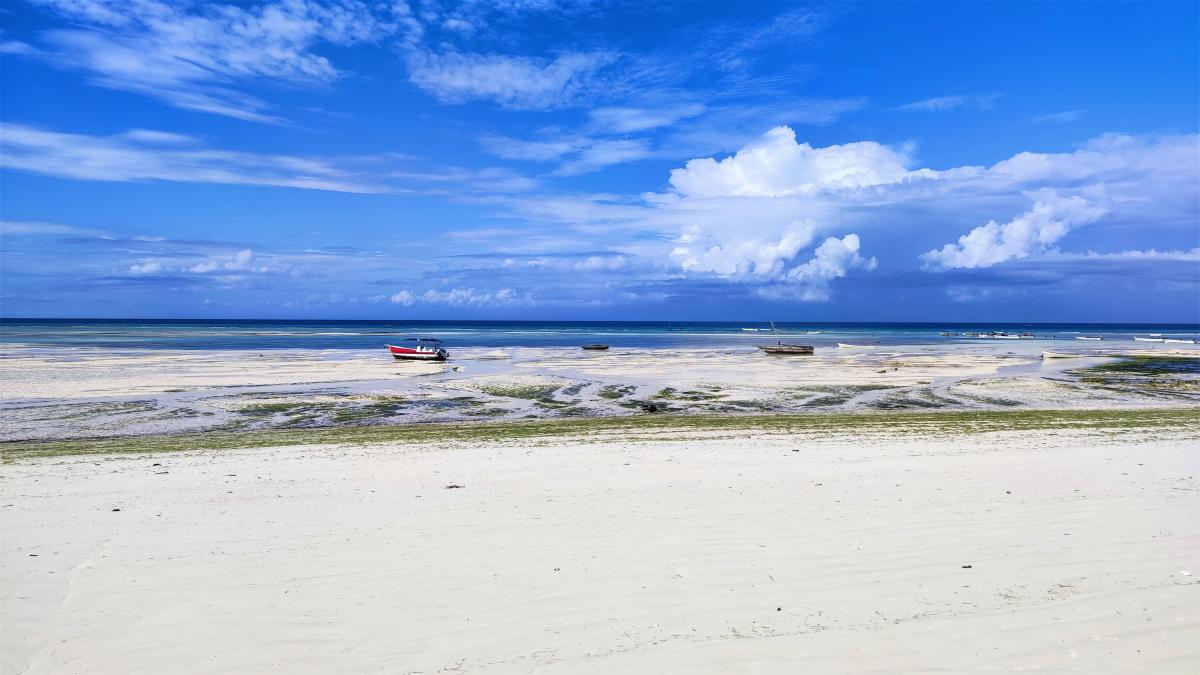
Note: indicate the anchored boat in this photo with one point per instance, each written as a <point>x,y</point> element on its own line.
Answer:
<point>782,349</point>
<point>419,349</point>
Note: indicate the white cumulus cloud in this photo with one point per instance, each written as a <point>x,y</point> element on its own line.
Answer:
<point>742,255</point>
<point>405,298</point>
<point>1033,231</point>
<point>832,260</point>
<point>466,297</point>
<point>778,166</point>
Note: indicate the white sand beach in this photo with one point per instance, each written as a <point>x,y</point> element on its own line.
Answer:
<point>1061,552</point>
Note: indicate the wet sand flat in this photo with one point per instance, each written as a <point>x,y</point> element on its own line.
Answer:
<point>99,392</point>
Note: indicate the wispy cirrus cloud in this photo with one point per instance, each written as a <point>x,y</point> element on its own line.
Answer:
<point>1058,117</point>
<point>198,56</point>
<point>23,228</point>
<point>514,82</point>
<point>628,119</point>
<point>617,135</point>
<point>142,155</point>
<point>952,102</point>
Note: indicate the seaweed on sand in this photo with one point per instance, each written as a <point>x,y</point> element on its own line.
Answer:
<point>1184,421</point>
<point>615,391</point>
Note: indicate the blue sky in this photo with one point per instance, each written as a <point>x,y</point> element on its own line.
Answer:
<point>600,160</point>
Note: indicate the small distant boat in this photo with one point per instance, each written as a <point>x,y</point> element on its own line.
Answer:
<point>1088,337</point>
<point>754,330</point>
<point>1059,355</point>
<point>1180,341</point>
<point>419,349</point>
<point>595,347</point>
<point>843,345</point>
<point>782,349</point>
<point>1149,339</point>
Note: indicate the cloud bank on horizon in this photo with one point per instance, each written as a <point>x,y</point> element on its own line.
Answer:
<point>550,159</point>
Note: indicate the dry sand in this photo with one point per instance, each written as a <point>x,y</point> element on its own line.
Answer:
<point>1060,552</point>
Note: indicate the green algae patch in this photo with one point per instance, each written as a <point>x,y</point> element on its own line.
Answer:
<point>534,392</point>
<point>1148,366</point>
<point>1153,375</point>
<point>615,391</point>
<point>637,427</point>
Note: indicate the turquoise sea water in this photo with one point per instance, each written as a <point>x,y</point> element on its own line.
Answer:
<point>260,335</point>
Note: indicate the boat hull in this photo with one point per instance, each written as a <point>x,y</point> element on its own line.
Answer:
<point>787,350</point>
<point>410,354</point>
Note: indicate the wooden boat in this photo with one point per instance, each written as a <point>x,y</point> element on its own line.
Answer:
<point>1088,337</point>
<point>419,349</point>
<point>782,349</point>
<point>1149,339</point>
<point>595,347</point>
<point>1059,355</point>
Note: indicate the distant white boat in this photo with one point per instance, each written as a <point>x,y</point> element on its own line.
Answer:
<point>1088,337</point>
<point>843,345</point>
<point>1149,339</point>
<point>753,330</point>
<point>1181,341</point>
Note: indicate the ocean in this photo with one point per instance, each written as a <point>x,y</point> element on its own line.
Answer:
<point>263,335</point>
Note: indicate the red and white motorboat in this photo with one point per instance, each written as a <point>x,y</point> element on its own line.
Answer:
<point>419,349</point>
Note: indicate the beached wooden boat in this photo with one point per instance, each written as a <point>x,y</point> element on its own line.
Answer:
<point>782,349</point>
<point>419,349</point>
<point>1060,355</point>
<point>595,347</point>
